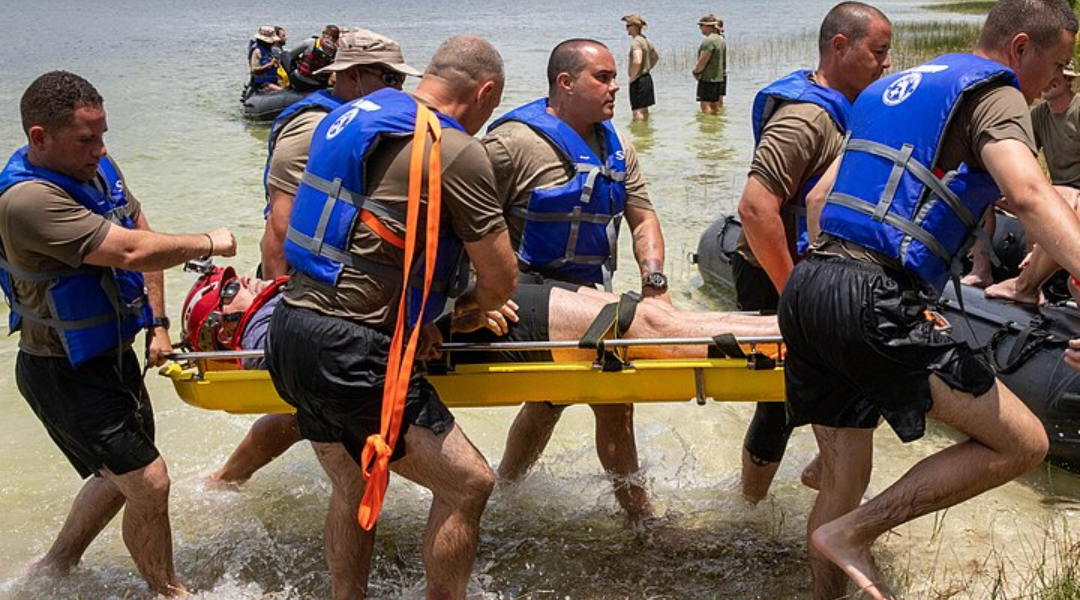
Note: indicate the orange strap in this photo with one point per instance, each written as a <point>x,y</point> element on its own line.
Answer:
<point>381,230</point>
<point>375,459</point>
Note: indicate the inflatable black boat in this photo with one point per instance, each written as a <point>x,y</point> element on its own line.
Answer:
<point>1024,343</point>
<point>265,106</point>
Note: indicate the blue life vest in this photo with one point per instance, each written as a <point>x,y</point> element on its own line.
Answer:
<point>321,100</point>
<point>94,309</point>
<point>572,230</point>
<point>266,55</point>
<point>331,202</point>
<point>797,87</point>
<point>887,196</point>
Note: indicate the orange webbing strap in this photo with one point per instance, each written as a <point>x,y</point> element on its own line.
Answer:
<point>384,232</point>
<point>375,459</point>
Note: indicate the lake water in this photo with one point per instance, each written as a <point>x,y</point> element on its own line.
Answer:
<point>171,74</point>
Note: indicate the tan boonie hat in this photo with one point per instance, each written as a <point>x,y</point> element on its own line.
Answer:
<point>267,34</point>
<point>711,19</point>
<point>635,19</point>
<point>1069,70</point>
<point>362,47</point>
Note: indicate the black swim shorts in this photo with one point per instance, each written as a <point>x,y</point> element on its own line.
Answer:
<point>860,347</point>
<point>99,415</point>
<point>642,94</point>
<point>332,371</point>
<point>711,91</point>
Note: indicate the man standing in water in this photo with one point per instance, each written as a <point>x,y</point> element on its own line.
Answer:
<point>930,150</point>
<point>643,58</point>
<point>331,353</point>
<point>75,246</point>
<point>711,67</point>
<point>562,167</point>
<point>365,62</point>
<point>799,123</point>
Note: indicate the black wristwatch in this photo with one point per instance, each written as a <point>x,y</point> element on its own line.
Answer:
<point>162,322</point>
<point>655,280</point>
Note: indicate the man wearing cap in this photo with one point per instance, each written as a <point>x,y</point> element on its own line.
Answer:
<point>711,67</point>
<point>566,178</point>
<point>365,62</point>
<point>261,60</point>
<point>643,58</point>
<point>799,123</point>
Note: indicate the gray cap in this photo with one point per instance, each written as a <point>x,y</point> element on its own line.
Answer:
<point>363,47</point>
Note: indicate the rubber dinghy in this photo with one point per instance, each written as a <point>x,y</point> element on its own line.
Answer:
<point>1024,343</point>
<point>265,106</point>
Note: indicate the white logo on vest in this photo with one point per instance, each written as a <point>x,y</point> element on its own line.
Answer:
<point>342,122</point>
<point>901,89</point>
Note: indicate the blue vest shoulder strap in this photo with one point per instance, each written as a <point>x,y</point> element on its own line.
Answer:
<point>567,142</point>
<point>798,87</point>
<point>321,100</point>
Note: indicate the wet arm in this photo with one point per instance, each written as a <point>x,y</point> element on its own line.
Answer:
<point>277,226</point>
<point>763,226</point>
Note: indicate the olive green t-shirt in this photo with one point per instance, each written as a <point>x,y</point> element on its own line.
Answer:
<point>799,142</point>
<point>997,113</point>
<point>716,68</point>
<point>523,160</point>
<point>44,229</point>
<point>1059,138</point>
<point>645,45</point>
<point>470,208</point>
<point>291,151</point>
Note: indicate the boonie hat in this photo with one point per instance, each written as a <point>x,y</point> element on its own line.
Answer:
<point>711,19</point>
<point>267,34</point>
<point>1069,70</point>
<point>635,19</point>
<point>363,47</point>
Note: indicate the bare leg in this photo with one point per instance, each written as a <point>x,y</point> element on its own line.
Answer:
<point>267,439</point>
<point>96,504</point>
<point>146,529</point>
<point>527,438</point>
<point>756,477</point>
<point>811,474</point>
<point>1006,440</point>
<point>460,481</point>
<point>617,449</point>
<point>641,114</point>
<point>347,546</point>
<point>845,460</point>
<point>980,275</point>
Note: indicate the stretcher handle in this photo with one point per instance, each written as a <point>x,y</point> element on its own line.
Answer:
<point>538,345</point>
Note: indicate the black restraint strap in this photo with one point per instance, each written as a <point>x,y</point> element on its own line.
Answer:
<point>614,319</point>
<point>726,346</point>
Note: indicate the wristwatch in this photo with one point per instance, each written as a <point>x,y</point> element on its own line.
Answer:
<point>162,322</point>
<point>655,280</point>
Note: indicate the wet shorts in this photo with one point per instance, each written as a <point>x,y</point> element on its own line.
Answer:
<point>859,347</point>
<point>711,91</point>
<point>99,415</point>
<point>641,92</point>
<point>332,371</point>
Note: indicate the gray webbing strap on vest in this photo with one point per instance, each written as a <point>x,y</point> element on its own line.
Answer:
<point>58,324</point>
<point>906,227</point>
<point>43,275</point>
<point>550,217</point>
<point>592,172</point>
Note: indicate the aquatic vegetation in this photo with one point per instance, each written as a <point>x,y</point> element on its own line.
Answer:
<point>972,7</point>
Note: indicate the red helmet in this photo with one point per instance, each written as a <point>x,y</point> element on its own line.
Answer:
<point>203,301</point>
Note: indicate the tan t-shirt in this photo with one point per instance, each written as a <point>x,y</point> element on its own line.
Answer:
<point>470,208</point>
<point>524,160</point>
<point>43,229</point>
<point>798,142</point>
<point>642,43</point>
<point>291,151</point>
<point>1059,138</point>
<point>997,113</point>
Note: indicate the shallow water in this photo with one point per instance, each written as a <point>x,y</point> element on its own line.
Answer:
<point>171,73</point>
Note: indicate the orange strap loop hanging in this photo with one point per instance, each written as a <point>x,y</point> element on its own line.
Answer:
<point>375,459</point>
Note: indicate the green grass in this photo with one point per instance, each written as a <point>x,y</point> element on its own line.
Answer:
<point>967,7</point>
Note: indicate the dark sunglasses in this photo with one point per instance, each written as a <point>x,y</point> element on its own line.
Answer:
<point>391,78</point>
<point>229,291</point>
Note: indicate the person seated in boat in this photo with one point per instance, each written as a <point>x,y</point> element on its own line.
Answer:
<point>1056,124</point>
<point>262,62</point>
<point>224,311</point>
<point>319,53</point>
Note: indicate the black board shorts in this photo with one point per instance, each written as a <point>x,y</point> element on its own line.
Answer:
<point>711,91</point>
<point>642,94</point>
<point>99,415</point>
<point>333,370</point>
<point>860,348</point>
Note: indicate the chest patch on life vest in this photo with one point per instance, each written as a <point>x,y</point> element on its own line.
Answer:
<point>901,89</point>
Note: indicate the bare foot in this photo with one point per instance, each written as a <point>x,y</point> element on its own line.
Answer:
<point>811,474</point>
<point>1010,290</point>
<point>979,280</point>
<point>215,481</point>
<point>833,541</point>
<point>47,568</point>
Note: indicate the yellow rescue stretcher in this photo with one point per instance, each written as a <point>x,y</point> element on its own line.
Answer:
<point>209,380</point>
